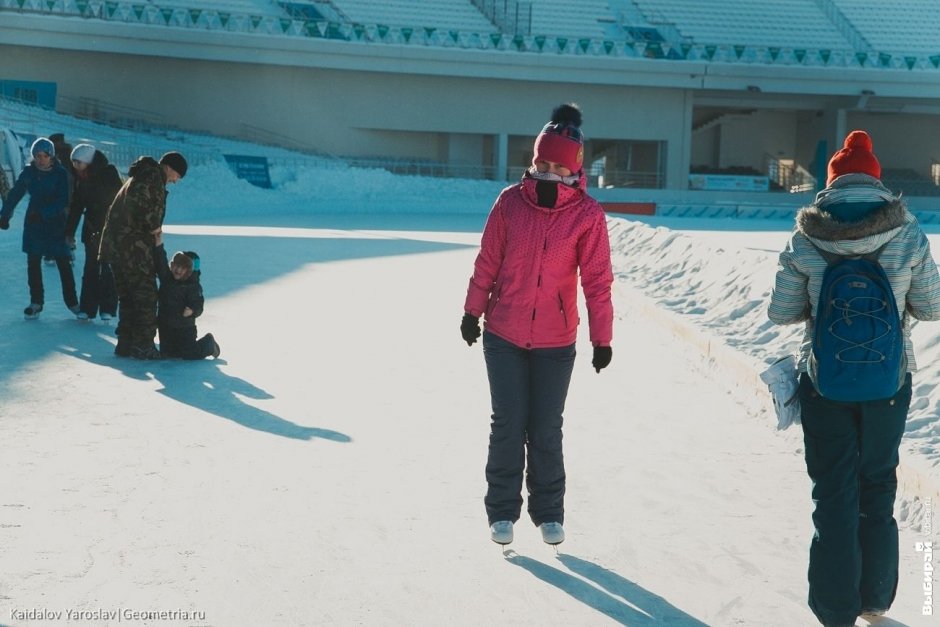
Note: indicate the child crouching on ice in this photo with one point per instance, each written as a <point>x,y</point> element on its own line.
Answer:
<point>180,303</point>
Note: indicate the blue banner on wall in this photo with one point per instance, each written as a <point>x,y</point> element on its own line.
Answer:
<point>33,92</point>
<point>729,182</point>
<point>252,169</point>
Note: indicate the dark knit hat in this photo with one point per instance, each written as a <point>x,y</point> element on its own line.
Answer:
<point>856,157</point>
<point>42,145</point>
<point>176,161</point>
<point>561,140</point>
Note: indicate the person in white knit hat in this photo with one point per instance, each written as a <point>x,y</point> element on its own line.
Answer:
<point>96,183</point>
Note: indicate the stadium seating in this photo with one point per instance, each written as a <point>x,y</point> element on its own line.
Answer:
<point>443,14</point>
<point>247,7</point>
<point>556,17</point>
<point>783,23</point>
<point>895,27</point>
<point>835,33</point>
<point>908,182</point>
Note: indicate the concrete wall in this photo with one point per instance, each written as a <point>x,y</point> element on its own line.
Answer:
<point>347,112</point>
<point>453,104</point>
<point>745,140</point>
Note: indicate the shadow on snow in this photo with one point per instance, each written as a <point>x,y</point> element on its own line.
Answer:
<point>199,384</point>
<point>606,591</point>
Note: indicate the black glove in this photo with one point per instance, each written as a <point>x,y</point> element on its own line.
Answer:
<point>470,329</point>
<point>4,223</point>
<point>602,355</point>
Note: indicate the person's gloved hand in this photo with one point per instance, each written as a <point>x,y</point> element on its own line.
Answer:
<point>4,223</point>
<point>470,329</point>
<point>602,356</point>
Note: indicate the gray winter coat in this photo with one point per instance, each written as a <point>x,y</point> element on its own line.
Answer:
<point>906,260</point>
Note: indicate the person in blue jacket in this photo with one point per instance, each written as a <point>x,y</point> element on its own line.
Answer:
<point>47,183</point>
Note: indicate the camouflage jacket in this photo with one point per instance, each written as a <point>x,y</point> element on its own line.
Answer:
<point>127,239</point>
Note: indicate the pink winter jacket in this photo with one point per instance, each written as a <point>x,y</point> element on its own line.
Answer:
<point>525,276</point>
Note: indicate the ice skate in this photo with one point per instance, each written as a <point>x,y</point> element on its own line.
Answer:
<point>501,532</point>
<point>552,533</point>
<point>32,312</point>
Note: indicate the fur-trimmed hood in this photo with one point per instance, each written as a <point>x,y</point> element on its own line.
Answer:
<point>818,223</point>
<point>851,210</point>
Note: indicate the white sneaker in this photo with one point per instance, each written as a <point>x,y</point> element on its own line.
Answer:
<point>501,532</point>
<point>82,316</point>
<point>552,533</point>
<point>105,316</point>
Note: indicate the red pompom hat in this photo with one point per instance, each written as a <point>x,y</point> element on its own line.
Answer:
<point>561,140</point>
<point>855,157</point>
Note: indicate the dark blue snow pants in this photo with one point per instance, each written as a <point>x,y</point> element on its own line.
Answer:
<point>528,388</point>
<point>34,277</point>
<point>98,290</point>
<point>851,453</point>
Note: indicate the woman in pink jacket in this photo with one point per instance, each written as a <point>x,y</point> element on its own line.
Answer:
<point>540,233</point>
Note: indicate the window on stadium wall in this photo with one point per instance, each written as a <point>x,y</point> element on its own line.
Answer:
<point>626,163</point>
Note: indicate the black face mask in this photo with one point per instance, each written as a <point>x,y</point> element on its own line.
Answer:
<point>547,193</point>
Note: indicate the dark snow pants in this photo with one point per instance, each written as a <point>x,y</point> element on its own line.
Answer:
<point>182,343</point>
<point>98,290</point>
<point>851,453</point>
<point>528,389</point>
<point>34,277</point>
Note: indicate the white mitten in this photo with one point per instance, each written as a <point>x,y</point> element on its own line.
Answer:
<point>783,381</point>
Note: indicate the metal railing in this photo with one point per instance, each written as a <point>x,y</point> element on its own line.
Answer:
<point>788,175</point>
<point>263,136</point>
<point>117,116</point>
<point>510,16</point>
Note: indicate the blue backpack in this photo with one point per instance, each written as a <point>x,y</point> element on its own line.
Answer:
<point>858,345</point>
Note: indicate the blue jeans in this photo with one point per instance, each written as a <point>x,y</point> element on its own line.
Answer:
<point>851,453</point>
<point>528,388</point>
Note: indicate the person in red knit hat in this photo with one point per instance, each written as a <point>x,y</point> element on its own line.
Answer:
<point>541,233</point>
<point>851,446</point>
<point>856,157</point>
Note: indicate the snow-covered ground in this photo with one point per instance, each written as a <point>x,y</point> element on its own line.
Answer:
<point>328,469</point>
